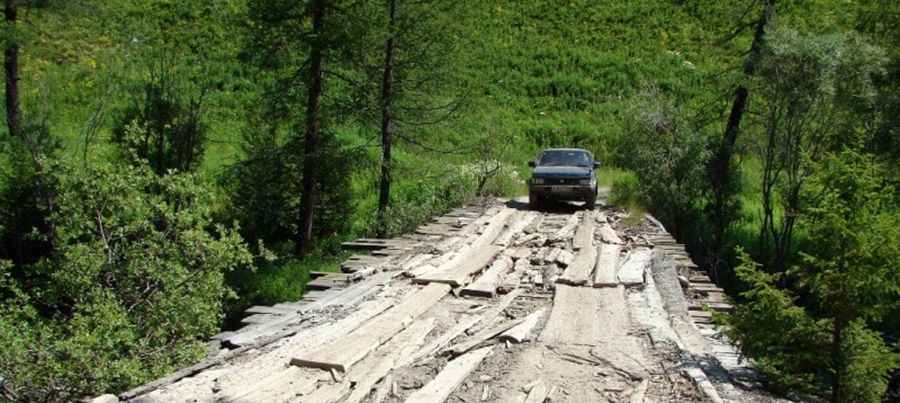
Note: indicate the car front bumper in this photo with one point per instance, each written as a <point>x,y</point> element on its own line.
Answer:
<point>563,192</point>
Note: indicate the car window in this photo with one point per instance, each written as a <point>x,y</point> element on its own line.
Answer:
<point>564,158</point>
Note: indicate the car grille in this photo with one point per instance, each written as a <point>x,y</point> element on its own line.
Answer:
<point>561,181</point>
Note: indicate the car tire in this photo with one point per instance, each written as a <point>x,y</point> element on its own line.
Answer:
<point>591,202</point>
<point>534,201</point>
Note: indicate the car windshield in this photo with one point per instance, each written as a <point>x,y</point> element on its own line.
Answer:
<point>565,158</point>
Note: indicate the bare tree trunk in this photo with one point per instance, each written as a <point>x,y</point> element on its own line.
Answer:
<point>11,65</point>
<point>837,359</point>
<point>719,168</point>
<point>308,197</point>
<point>387,94</point>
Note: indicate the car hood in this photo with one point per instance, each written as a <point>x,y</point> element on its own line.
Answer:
<point>561,172</point>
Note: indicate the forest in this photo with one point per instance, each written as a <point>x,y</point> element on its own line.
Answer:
<point>166,164</point>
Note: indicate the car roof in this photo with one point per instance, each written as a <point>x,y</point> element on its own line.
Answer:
<point>567,149</point>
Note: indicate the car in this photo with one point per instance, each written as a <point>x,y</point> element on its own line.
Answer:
<point>563,174</point>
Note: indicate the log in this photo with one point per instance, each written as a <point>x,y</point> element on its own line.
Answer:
<point>453,375</point>
<point>607,264</point>
<point>348,350</point>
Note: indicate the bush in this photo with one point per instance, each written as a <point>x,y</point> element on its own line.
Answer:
<point>668,156</point>
<point>625,191</point>
<point>134,284</point>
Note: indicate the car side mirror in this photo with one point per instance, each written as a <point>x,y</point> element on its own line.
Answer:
<point>596,164</point>
<point>531,164</point>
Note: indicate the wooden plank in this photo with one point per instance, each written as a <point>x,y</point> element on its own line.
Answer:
<point>706,287</point>
<point>259,318</point>
<point>579,272</point>
<point>486,285</point>
<point>476,339</point>
<point>494,312</point>
<point>517,222</point>
<point>459,271</point>
<point>453,375</point>
<point>631,271</point>
<point>584,236</point>
<point>446,337</point>
<point>272,310</point>
<point>523,331</point>
<point>573,319</point>
<point>537,394</point>
<point>608,234</point>
<point>348,350</point>
<point>715,306</point>
<point>607,265</point>
<point>639,392</point>
<point>356,385</point>
<point>280,386</point>
<point>250,336</point>
<point>512,280</point>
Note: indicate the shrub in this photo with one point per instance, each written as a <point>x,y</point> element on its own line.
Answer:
<point>134,284</point>
<point>668,157</point>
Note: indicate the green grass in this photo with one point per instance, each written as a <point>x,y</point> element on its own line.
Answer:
<point>276,282</point>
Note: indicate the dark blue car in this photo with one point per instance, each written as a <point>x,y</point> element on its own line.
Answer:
<point>565,174</point>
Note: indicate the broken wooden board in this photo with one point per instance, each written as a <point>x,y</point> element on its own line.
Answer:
<point>311,338</point>
<point>631,271</point>
<point>446,337</point>
<point>523,331</point>
<point>343,353</point>
<point>453,374</point>
<point>476,339</point>
<point>517,223</point>
<point>584,236</point>
<point>568,230</point>
<point>607,265</point>
<point>494,312</point>
<point>359,381</point>
<point>579,272</point>
<point>460,270</point>
<point>512,280</point>
<point>280,386</point>
<point>608,234</point>
<point>537,394</point>
<point>486,285</point>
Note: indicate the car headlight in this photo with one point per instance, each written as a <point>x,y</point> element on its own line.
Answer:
<point>585,182</point>
<point>537,181</point>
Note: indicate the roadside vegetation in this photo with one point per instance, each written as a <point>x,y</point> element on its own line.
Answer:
<point>166,164</point>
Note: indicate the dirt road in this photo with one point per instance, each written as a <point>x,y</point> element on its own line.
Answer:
<point>488,303</point>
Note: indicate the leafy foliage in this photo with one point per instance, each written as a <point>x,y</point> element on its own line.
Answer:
<point>134,285</point>
<point>668,156</point>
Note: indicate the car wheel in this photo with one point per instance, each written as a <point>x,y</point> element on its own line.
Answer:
<point>591,202</point>
<point>534,201</point>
